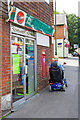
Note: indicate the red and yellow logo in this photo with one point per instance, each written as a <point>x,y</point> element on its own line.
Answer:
<point>20,17</point>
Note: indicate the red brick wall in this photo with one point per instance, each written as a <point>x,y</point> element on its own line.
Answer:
<point>60,31</point>
<point>0,63</point>
<point>42,82</point>
<point>39,10</point>
<point>6,82</point>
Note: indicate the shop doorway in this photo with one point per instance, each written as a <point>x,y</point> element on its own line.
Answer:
<point>29,66</point>
<point>22,67</point>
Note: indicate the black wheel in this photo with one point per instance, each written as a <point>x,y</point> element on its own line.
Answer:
<point>66,85</point>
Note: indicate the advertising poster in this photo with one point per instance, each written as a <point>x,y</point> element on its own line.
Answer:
<point>16,63</point>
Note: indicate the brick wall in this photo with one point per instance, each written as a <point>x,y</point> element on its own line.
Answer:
<point>5,58</point>
<point>44,13</point>
<point>0,62</point>
<point>42,82</point>
<point>39,10</point>
<point>60,31</point>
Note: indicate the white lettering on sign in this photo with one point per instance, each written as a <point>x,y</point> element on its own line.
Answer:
<point>22,31</point>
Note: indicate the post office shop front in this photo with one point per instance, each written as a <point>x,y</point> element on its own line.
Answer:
<point>29,50</point>
<point>24,40</point>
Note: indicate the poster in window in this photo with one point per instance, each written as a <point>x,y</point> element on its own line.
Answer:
<point>16,61</point>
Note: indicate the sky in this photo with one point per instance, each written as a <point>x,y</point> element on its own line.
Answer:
<point>69,6</point>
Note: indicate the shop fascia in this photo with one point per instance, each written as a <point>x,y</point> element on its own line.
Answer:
<point>21,18</point>
<point>16,29</point>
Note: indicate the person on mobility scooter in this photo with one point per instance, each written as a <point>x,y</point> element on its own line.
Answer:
<point>57,80</point>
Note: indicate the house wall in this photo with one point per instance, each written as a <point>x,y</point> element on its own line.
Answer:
<point>0,63</point>
<point>62,33</point>
<point>39,10</point>
<point>42,82</point>
<point>6,81</point>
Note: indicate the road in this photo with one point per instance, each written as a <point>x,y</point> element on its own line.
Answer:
<point>56,104</point>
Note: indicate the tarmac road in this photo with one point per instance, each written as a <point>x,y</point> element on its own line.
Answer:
<point>56,104</point>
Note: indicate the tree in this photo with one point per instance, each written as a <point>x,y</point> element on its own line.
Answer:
<point>56,12</point>
<point>73,32</point>
<point>72,21</point>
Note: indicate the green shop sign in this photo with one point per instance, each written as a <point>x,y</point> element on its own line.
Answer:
<point>20,17</point>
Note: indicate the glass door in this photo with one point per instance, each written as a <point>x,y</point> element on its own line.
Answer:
<point>17,55</point>
<point>29,66</point>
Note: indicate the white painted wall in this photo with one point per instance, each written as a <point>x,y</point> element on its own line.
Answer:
<point>59,48</point>
<point>65,51</point>
<point>42,40</point>
<point>6,102</point>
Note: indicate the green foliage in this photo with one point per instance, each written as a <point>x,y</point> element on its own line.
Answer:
<point>72,21</point>
<point>56,12</point>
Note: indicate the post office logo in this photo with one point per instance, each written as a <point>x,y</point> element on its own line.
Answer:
<point>20,17</point>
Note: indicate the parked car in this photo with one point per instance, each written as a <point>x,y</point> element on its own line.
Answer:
<point>74,54</point>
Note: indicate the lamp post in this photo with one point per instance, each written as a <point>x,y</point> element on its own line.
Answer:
<point>55,32</point>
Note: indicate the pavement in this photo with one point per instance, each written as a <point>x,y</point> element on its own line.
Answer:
<point>56,104</point>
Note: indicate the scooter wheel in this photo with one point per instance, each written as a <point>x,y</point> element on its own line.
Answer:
<point>50,88</point>
<point>66,85</point>
<point>63,87</point>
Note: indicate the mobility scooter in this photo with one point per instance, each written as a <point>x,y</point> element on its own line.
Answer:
<point>57,80</point>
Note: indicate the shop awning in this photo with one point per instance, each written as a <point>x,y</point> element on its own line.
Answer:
<point>21,18</point>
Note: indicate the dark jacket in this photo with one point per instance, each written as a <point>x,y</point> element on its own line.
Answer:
<point>55,73</point>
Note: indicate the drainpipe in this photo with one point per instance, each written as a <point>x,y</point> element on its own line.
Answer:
<point>55,32</point>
